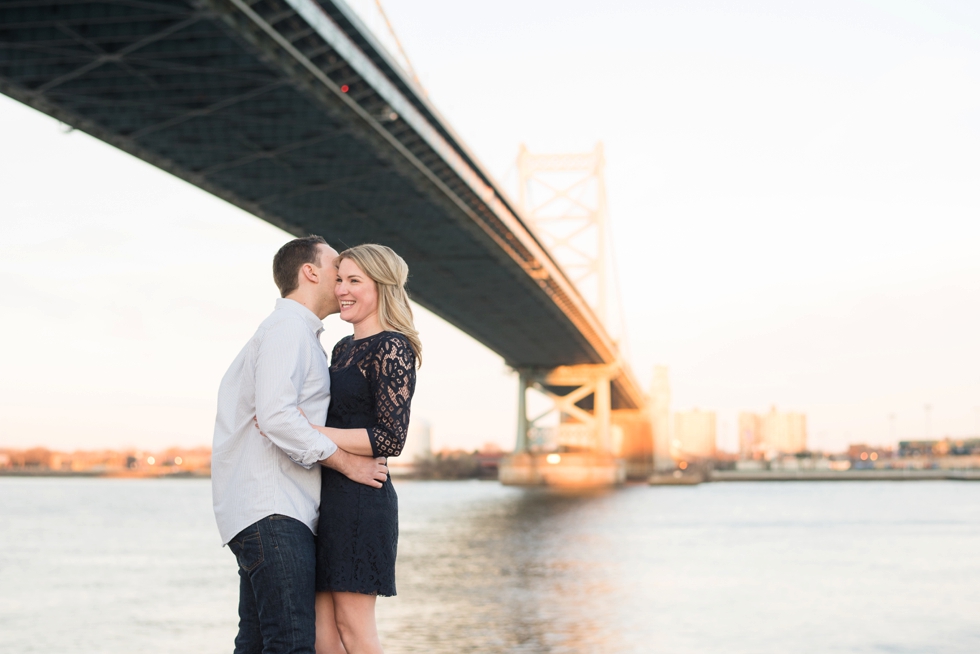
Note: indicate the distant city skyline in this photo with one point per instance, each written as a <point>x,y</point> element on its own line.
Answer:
<point>790,193</point>
<point>773,432</point>
<point>695,434</point>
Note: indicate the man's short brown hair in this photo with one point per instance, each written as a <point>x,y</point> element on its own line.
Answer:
<point>291,257</point>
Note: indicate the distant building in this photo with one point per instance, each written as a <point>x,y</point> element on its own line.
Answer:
<point>770,434</point>
<point>948,446</point>
<point>418,448</point>
<point>660,418</point>
<point>749,433</point>
<point>694,434</point>
<point>418,444</point>
<point>783,432</point>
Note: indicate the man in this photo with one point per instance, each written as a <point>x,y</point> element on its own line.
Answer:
<point>266,490</point>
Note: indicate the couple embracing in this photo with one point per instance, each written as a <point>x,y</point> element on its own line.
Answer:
<point>299,475</point>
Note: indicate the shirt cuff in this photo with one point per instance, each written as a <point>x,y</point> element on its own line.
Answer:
<point>325,447</point>
<point>322,448</point>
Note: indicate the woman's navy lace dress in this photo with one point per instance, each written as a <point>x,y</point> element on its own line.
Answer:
<point>371,385</point>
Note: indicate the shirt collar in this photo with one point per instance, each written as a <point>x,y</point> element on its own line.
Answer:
<point>308,316</point>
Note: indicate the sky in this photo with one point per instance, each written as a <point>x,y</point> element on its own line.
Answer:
<point>793,200</point>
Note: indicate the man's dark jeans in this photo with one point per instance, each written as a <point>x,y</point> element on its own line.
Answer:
<point>277,565</point>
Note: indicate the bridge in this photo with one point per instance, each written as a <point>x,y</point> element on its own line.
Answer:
<point>292,111</point>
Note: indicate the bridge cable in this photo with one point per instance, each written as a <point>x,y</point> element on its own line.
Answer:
<point>398,43</point>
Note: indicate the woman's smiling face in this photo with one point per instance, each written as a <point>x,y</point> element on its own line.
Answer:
<point>356,292</point>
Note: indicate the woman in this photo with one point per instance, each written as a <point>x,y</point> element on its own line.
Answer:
<point>372,379</point>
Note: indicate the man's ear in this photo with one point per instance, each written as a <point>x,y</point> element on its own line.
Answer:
<point>310,273</point>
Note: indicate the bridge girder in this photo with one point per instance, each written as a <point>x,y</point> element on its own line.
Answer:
<point>289,110</point>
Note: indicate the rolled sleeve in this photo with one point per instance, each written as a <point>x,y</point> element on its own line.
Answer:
<point>281,367</point>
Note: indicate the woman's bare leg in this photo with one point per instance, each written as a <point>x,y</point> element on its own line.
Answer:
<point>355,620</point>
<point>327,637</point>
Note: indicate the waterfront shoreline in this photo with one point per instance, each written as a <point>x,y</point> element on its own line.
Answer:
<point>844,475</point>
<point>719,476</point>
<point>695,478</point>
<point>103,474</point>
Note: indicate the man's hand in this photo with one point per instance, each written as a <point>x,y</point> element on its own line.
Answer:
<point>362,469</point>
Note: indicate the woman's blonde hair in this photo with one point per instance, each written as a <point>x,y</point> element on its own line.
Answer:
<point>390,272</point>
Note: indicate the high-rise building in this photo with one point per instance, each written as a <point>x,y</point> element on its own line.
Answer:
<point>749,428</point>
<point>695,432</point>
<point>660,419</point>
<point>770,433</point>
<point>418,445</point>
<point>418,448</point>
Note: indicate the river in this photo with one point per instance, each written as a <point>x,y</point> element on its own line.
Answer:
<point>121,566</point>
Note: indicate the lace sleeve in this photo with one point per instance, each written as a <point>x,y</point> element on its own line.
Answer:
<point>393,365</point>
<point>338,349</point>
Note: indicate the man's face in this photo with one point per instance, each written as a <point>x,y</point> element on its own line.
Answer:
<point>328,279</point>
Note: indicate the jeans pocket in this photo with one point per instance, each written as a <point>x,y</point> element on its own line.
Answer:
<point>248,551</point>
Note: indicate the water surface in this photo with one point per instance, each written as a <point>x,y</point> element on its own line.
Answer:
<point>114,566</point>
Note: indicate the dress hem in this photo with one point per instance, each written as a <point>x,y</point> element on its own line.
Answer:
<point>359,592</point>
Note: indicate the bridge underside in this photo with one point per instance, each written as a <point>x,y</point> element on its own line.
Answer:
<point>245,99</point>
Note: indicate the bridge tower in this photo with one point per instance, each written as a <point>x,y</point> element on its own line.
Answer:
<point>563,198</point>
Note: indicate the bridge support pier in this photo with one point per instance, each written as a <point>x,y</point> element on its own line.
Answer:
<point>581,450</point>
